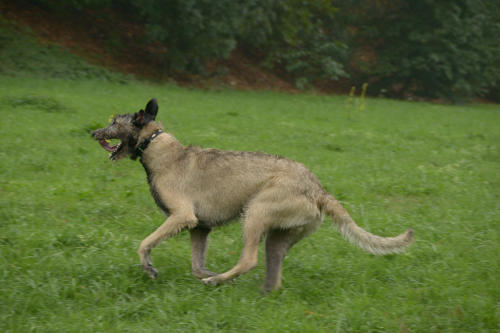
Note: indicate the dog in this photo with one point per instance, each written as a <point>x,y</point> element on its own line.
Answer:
<point>200,189</point>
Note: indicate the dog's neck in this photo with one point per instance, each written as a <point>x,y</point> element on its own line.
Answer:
<point>153,142</point>
<point>145,143</point>
<point>147,134</point>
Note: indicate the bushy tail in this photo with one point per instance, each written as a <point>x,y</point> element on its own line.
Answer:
<point>356,235</point>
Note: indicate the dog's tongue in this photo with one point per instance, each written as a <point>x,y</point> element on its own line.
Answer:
<point>106,146</point>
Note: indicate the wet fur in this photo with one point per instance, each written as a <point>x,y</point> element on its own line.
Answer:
<point>200,189</point>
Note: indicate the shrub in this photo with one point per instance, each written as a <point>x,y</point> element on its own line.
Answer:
<point>444,49</point>
<point>291,35</point>
<point>296,36</point>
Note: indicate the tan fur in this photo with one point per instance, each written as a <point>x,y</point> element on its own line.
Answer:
<point>201,189</point>
<point>208,187</point>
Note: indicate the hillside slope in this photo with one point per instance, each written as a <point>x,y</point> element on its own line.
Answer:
<point>122,48</point>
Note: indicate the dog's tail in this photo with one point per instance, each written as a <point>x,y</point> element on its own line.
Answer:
<point>356,235</point>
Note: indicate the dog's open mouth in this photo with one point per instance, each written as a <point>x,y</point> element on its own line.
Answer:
<point>113,149</point>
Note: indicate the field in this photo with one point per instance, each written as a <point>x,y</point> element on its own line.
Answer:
<point>71,221</point>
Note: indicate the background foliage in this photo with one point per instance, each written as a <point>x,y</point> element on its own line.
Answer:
<point>438,49</point>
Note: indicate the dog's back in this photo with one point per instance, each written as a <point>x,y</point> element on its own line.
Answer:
<point>222,183</point>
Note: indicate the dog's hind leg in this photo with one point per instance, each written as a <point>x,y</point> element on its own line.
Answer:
<point>278,242</point>
<point>248,260</point>
<point>173,225</point>
<point>199,240</point>
<point>273,209</point>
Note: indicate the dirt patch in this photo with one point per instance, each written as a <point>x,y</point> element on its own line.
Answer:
<point>117,41</point>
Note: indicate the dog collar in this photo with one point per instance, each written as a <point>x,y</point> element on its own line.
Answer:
<point>142,147</point>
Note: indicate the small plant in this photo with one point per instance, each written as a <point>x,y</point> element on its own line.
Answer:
<point>349,101</point>
<point>353,103</point>
<point>362,103</point>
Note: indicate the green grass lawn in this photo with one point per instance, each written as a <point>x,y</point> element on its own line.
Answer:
<point>71,221</point>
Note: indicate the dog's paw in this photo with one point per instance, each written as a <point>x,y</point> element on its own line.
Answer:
<point>152,272</point>
<point>211,281</point>
<point>203,273</point>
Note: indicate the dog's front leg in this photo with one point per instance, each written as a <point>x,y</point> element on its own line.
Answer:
<point>199,240</point>
<point>173,225</point>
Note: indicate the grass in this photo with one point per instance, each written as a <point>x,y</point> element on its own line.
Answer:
<point>71,221</point>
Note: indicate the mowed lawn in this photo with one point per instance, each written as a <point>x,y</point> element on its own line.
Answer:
<point>71,221</point>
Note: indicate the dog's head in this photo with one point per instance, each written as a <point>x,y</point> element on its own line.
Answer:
<point>127,129</point>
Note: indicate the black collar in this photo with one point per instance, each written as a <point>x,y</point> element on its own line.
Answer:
<point>142,147</point>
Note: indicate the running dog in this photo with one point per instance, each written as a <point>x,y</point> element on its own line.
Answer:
<point>199,189</point>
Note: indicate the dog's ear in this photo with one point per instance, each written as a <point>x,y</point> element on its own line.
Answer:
<point>139,118</point>
<point>151,111</point>
<point>142,117</point>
